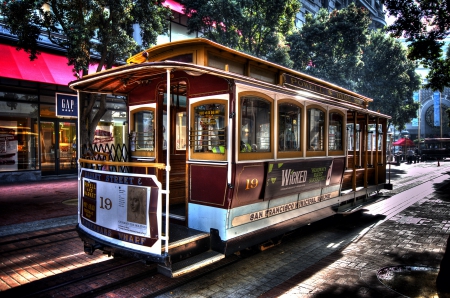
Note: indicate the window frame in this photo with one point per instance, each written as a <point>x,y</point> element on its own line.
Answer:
<point>311,153</point>
<point>133,111</point>
<point>343,128</point>
<point>291,154</point>
<point>244,156</point>
<point>191,120</point>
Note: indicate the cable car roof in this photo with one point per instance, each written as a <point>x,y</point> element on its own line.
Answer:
<point>143,67</point>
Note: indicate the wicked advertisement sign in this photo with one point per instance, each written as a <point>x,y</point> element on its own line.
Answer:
<point>296,177</point>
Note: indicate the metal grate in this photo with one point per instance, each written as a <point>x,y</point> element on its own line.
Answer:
<point>106,152</point>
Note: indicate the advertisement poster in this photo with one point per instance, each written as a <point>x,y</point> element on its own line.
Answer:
<point>295,177</point>
<point>8,146</point>
<point>121,206</point>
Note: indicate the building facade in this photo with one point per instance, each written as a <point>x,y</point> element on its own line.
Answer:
<point>38,121</point>
<point>375,8</point>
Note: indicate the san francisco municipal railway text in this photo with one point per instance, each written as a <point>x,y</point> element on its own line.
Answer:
<point>254,216</point>
<point>288,207</point>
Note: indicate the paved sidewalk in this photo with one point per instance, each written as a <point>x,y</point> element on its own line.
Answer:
<point>413,232</point>
<point>342,260</point>
<point>38,205</point>
<point>336,262</point>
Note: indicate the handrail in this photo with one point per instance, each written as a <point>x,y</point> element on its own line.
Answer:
<point>160,166</point>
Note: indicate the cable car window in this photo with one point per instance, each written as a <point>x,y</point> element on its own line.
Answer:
<point>255,124</point>
<point>144,123</point>
<point>208,132</point>
<point>350,133</point>
<point>335,132</point>
<point>289,116</point>
<point>316,122</point>
<point>180,131</point>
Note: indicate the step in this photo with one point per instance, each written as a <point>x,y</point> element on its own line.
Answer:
<point>191,264</point>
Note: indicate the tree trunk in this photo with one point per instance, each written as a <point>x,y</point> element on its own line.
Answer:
<point>89,120</point>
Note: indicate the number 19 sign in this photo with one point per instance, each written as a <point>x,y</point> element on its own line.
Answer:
<point>122,207</point>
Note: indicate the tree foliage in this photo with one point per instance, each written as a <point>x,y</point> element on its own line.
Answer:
<point>254,27</point>
<point>338,47</point>
<point>389,77</point>
<point>329,45</point>
<point>88,31</point>
<point>425,24</point>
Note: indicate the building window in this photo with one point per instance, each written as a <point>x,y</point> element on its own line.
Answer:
<point>18,134</point>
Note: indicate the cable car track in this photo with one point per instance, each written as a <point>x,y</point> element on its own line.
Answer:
<point>15,242</point>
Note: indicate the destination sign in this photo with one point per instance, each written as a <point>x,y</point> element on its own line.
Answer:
<point>298,83</point>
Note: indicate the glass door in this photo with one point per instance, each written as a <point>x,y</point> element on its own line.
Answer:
<point>58,146</point>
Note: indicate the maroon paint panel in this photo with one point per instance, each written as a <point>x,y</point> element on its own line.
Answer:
<point>119,179</point>
<point>249,183</point>
<point>208,185</point>
<point>152,210</point>
<point>205,85</point>
<point>197,86</point>
<point>145,93</point>
<point>338,170</point>
<point>144,241</point>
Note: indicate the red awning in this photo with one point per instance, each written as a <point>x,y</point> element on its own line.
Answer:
<point>175,6</point>
<point>47,68</point>
<point>403,142</point>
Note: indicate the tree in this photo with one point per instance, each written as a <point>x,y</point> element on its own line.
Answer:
<point>424,24</point>
<point>254,27</point>
<point>389,77</point>
<point>329,45</point>
<point>338,47</point>
<point>88,31</point>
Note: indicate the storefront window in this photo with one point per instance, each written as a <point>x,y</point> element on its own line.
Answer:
<point>18,136</point>
<point>289,116</point>
<point>335,132</point>
<point>255,124</point>
<point>316,122</point>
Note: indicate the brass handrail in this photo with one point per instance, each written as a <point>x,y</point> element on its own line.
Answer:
<point>160,166</point>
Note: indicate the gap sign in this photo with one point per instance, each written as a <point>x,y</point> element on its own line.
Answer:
<point>66,105</point>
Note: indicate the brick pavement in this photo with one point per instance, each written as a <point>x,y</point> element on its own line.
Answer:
<point>416,236</point>
<point>329,262</point>
<point>342,260</point>
<point>38,204</point>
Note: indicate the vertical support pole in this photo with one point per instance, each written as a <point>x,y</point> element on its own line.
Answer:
<point>377,136</point>
<point>366,145</point>
<point>168,160</point>
<point>355,115</point>
<point>80,109</point>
